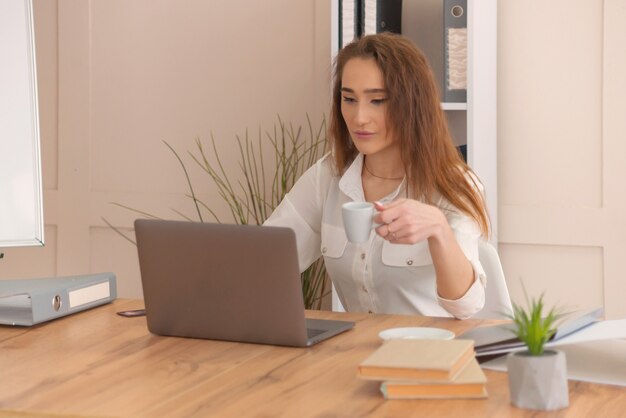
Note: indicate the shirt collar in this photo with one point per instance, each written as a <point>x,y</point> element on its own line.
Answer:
<point>351,183</point>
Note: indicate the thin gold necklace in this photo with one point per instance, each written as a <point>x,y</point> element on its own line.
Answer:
<point>379,177</point>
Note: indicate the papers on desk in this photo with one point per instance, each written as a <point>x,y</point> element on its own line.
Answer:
<point>598,331</point>
<point>600,361</point>
<point>31,301</point>
<point>580,326</point>
<point>594,349</point>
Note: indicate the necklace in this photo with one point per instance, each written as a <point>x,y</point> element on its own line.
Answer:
<point>379,177</point>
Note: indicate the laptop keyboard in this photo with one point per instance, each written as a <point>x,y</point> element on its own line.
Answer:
<point>314,332</point>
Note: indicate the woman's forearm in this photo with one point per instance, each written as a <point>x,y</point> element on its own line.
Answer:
<point>454,271</point>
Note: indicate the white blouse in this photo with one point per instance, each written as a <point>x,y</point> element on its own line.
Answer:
<point>374,276</point>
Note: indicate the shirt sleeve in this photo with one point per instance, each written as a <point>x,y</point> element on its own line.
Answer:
<point>301,210</point>
<point>472,301</point>
<point>467,233</point>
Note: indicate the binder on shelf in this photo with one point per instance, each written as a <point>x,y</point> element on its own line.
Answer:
<point>381,16</point>
<point>455,50</point>
<point>28,302</point>
<point>462,152</point>
<point>365,17</point>
<point>348,22</point>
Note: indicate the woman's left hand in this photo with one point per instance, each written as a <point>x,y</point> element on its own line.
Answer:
<point>407,221</point>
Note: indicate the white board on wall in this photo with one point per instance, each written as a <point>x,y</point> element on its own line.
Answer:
<point>21,208</point>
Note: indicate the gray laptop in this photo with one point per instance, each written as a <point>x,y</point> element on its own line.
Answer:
<point>225,282</point>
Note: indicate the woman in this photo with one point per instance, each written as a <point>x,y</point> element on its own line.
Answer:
<point>391,146</point>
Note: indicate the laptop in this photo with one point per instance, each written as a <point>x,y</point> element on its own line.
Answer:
<point>226,282</point>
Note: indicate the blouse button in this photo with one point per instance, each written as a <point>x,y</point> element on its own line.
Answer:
<point>409,261</point>
<point>364,289</point>
<point>324,250</point>
<point>362,256</point>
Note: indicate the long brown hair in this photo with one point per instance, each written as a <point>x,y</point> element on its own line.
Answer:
<point>431,161</point>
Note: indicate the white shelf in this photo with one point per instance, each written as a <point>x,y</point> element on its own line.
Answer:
<point>453,106</point>
<point>482,144</point>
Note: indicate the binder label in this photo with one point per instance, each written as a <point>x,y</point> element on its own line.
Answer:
<point>89,294</point>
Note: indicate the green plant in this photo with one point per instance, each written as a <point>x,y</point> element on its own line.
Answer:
<point>531,326</point>
<point>260,185</point>
<point>254,199</point>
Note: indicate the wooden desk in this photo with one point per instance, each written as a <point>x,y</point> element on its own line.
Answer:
<point>97,363</point>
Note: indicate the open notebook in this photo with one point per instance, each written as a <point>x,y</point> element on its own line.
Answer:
<point>499,339</point>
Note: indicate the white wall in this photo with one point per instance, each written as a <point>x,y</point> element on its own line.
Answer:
<point>117,77</point>
<point>560,118</point>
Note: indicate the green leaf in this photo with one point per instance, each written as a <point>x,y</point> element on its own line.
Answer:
<point>531,326</point>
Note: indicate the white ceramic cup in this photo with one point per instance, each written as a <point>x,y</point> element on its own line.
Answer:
<point>358,220</point>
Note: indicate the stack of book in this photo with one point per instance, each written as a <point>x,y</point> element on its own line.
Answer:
<point>423,369</point>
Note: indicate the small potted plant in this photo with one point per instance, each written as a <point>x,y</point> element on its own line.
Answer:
<point>537,377</point>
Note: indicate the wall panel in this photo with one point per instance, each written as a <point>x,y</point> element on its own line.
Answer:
<point>568,275</point>
<point>549,98</point>
<point>561,148</point>
<point>31,262</point>
<point>110,252</point>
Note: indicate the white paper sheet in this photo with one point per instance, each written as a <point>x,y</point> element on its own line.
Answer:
<point>601,330</point>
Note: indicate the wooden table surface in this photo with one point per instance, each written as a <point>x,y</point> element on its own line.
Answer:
<point>97,363</point>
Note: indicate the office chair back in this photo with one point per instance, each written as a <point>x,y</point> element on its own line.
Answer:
<point>497,300</point>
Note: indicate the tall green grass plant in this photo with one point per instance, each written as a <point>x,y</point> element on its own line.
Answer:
<point>268,168</point>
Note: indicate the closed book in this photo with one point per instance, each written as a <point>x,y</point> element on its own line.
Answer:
<point>470,383</point>
<point>431,360</point>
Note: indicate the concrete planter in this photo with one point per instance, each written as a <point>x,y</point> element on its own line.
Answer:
<point>538,382</point>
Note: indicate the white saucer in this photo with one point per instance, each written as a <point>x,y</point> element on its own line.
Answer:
<point>416,333</point>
